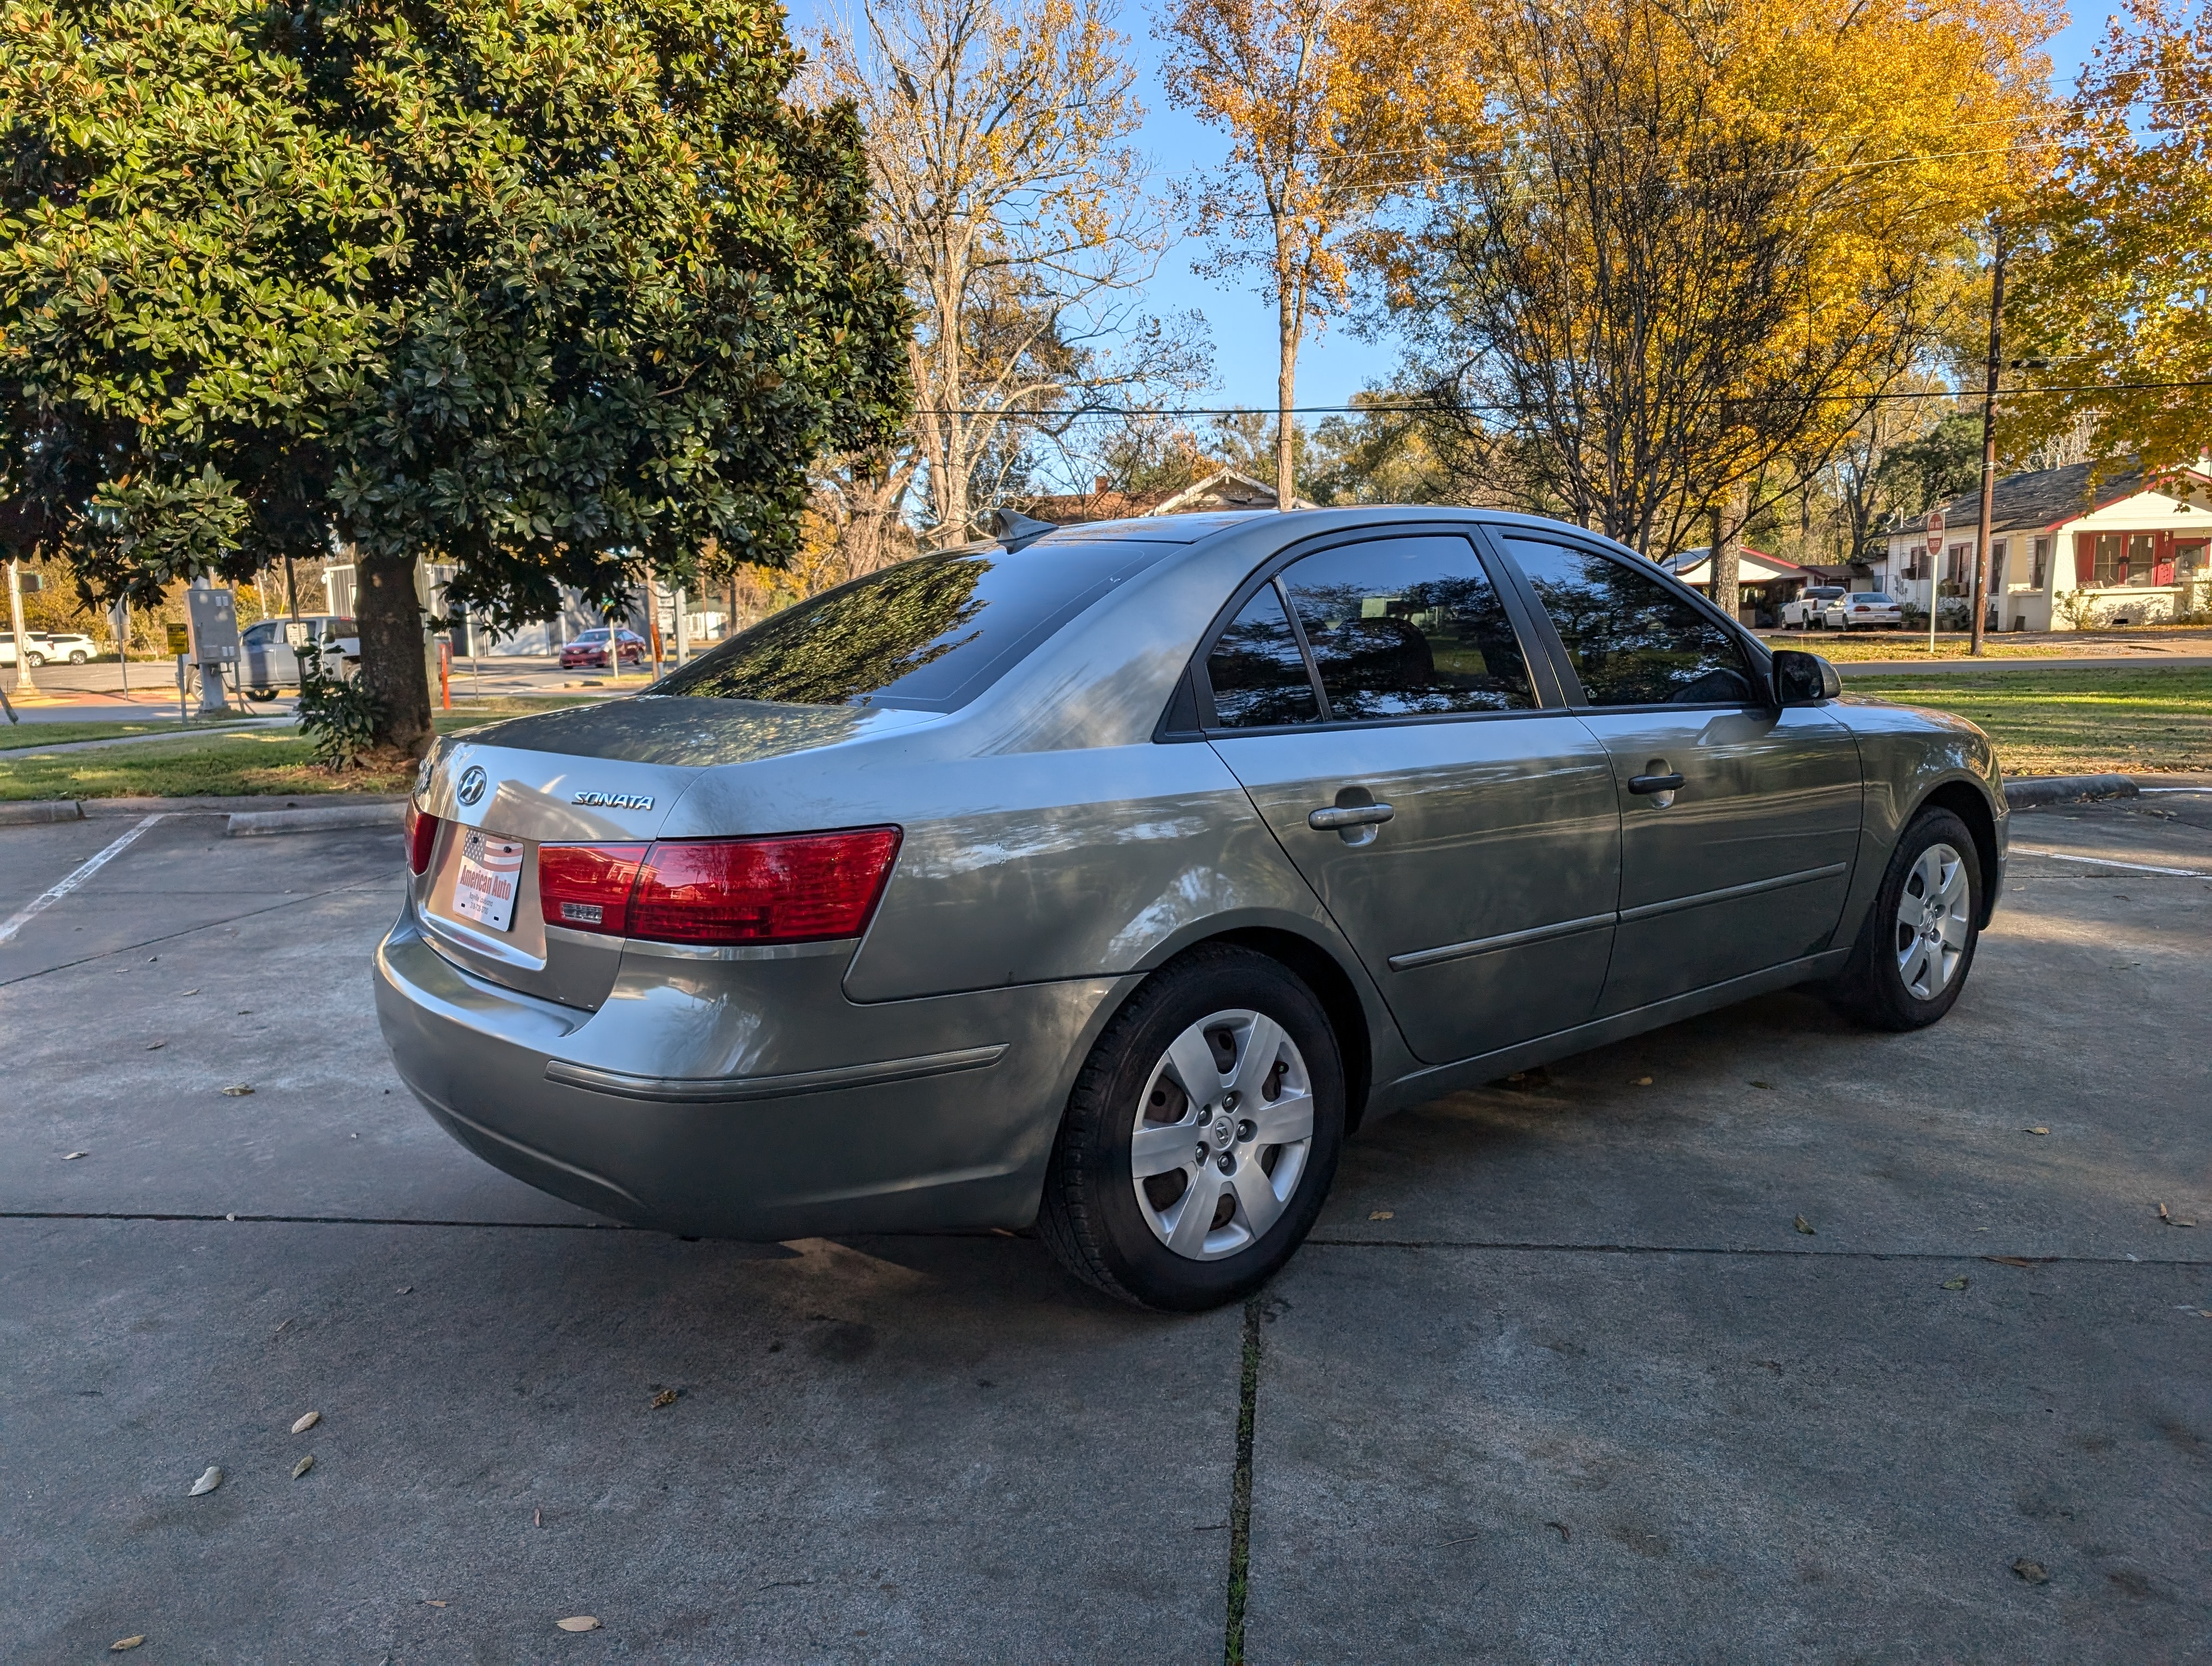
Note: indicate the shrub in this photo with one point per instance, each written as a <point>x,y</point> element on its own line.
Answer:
<point>339,714</point>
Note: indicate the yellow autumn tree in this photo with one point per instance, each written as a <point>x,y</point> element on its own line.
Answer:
<point>2111,294</point>
<point>1329,106</point>
<point>1684,248</point>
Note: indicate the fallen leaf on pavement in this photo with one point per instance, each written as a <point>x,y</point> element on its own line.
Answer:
<point>1805,1226</point>
<point>308,1419</point>
<point>1954,1284</point>
<point>303,1465</point>
<point>2031,1572</point>
<point>581,1622</point>
<point>434,1601</point>
<point>2009,1260</point>
<point>405,1290</point>
<point>151,1046</point>
<point>537,1518</point>
<point>665,1397</point>
<point>281,1329</point>
<point>1560,1527</point>
<point>1383,1214</point>
<point>122,1643</point>
<point>237,1092</point>
<point>192,992</point>
<point>2038,1130</point>
<point>1769,1086</point>
<point>1640,1081</point>
<point>207,1482</point>
<point>2162,1215</point>
<point>71,1157</point>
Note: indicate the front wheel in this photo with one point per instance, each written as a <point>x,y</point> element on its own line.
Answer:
<point>1914,953</point>
<point>1201,1137</point>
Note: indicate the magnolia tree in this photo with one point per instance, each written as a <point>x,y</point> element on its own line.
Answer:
<point>553,290</point>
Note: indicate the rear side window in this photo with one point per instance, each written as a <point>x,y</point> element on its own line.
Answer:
<point>1407,627</point>
<point>1633,639</point>
<point>927,634</point>
<point>1257,676</point>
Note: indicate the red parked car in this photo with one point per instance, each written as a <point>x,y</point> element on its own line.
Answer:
<point>591,649</point>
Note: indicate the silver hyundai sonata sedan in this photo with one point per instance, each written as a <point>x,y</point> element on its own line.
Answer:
<point>1107,878</point>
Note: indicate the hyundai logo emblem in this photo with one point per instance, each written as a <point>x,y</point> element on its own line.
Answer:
<point>472,784</point>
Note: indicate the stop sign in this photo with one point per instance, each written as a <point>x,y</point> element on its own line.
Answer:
<point>1934,532</point>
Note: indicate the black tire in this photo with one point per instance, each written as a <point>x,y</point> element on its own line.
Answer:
<point>1873,984</point>
<point>261,694</point>
<point>1091,1220</point>
<point>77,658</point>
<point>37,660</point>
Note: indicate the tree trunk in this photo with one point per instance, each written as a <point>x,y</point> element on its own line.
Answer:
<point>1727,568</point>
<point>390,618</point>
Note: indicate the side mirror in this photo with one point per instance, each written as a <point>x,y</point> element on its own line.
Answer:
<point>1803,678</point>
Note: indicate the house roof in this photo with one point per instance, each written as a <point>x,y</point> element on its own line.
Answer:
<point>1225,489</point>
<point>2044,497</point>
<point>1753,566</point>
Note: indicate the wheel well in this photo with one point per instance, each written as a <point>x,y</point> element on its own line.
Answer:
<point>1965,801</point>
<point>1318,969</point>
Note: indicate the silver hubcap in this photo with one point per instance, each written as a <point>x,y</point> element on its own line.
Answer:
<point>1223,1129</point>
<point>1932,922</point>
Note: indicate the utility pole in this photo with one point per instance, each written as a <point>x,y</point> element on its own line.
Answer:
<point>1988,438</point>
<point>16,619</point>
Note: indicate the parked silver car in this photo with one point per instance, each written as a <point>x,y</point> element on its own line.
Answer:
<point>1862,609</point>
<point>1108,879</point>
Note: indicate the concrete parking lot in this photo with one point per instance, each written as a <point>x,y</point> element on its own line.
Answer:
<point>1559,1379</point>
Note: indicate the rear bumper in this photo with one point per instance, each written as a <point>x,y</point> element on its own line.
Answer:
<point>747,1098</point>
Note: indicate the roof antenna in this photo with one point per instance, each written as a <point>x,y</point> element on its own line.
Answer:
<point>1015,531</point>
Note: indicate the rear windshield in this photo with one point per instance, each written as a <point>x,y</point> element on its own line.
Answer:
<point>927,634</point>
<point>1871,596</point>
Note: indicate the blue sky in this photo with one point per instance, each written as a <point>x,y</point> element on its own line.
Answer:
<point>1339,363</point>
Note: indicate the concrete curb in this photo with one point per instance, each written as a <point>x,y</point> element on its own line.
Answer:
<point>254,822</point>
<point>220,805</point>
<point>2069,789</point>
<point>40,810</point>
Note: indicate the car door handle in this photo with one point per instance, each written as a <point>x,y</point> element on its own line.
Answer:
<point>1642,784</point>
<point>1349,815</point>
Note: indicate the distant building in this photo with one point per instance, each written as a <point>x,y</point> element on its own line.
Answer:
<point>2065,554</point>
<point>1222,491</point>
<point>1763,582</point>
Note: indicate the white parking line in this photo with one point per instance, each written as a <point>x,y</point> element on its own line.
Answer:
<point>2099,862</point>
<point>38,904</point>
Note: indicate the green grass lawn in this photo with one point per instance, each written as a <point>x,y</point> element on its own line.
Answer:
<point>2132,720</point>
<point>30,735</point>
<point>1857,646</point>
<point>225,763</point>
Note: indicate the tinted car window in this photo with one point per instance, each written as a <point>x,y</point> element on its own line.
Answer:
<point>1407,627</point>
<point>927,634</point>
<point>1633,641</point>
<point>1257,674</point>
<point>260,636</point>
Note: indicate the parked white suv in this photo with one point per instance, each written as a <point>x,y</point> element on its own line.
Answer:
<point>47,646</point>
<point>1862,608</point>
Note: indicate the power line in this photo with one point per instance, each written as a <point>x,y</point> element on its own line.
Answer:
<point>1431,408</point>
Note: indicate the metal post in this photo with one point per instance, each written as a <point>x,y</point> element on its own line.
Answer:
<point>1989,437</point>
<point>23,678</point>
<point>682,632</point>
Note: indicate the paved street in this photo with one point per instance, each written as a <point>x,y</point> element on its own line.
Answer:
<point>1559,1379</point>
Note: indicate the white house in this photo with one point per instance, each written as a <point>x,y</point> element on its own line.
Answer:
<point>1763,582</point>
<point>2066,554</point>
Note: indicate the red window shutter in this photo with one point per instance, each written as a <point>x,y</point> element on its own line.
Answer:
<point>2085,558</point>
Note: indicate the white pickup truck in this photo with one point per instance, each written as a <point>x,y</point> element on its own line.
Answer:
<point>1809,609</point>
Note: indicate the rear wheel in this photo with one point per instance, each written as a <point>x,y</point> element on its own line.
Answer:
<point>1917,944</point>
<point>1201,1137</point>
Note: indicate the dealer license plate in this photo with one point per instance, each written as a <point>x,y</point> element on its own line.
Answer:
<point>491,869</point>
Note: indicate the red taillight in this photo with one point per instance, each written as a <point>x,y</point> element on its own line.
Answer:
<point>587,887</point>
<point>802,888</point>
<point>421,834</point>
